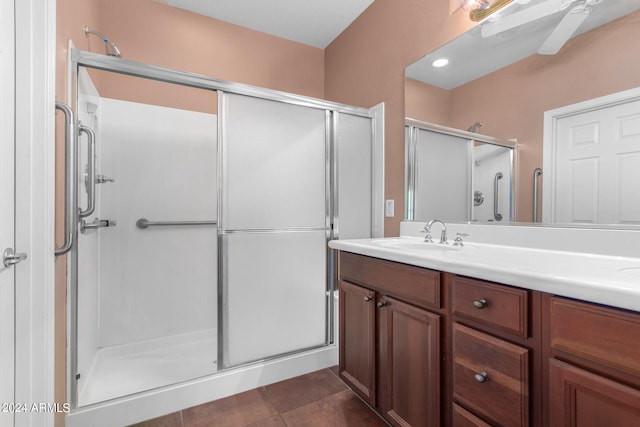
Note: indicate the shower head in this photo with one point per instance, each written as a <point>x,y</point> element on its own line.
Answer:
<point>474,127</point>
<point>110,48</point>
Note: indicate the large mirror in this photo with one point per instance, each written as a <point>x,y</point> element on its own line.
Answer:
<point>528,59</point>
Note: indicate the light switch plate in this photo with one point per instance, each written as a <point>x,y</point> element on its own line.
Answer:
<point>388,208</point>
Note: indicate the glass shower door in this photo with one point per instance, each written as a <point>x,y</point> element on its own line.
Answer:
<point>147,293</point>
<point>441,177</point>
<point>273,228</point>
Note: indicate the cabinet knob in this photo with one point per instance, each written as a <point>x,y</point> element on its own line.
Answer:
<point>480,303</point>
<point>481,377</point>
<point>381,304</point>
<point>367,298</point>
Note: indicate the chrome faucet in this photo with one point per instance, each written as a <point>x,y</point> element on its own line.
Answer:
<point>443,235</point>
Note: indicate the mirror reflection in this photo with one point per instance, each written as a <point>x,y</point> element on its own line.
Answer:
<point>457,175</point>
<point>503,74</point>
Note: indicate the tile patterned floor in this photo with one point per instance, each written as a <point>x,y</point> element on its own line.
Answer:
<point>318,399</point>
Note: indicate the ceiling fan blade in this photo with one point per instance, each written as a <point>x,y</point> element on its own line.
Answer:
<point>563,32</point>
<point>533,13</point>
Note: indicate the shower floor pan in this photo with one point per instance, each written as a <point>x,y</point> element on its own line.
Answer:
<point>132,368</point>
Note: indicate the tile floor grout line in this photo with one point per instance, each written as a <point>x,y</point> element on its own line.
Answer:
<point>270,399</point>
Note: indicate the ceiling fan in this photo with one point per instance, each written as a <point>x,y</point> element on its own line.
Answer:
<point>576,11</point>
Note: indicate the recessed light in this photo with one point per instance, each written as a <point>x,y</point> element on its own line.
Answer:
<point>440,62</point>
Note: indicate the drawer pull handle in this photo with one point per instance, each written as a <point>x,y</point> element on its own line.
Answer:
<point>482,377</point>
<point>367,298</point>
<point>480,303</point>
<point>381,304</point>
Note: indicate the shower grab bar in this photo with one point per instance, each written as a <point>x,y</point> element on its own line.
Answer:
<point>90,178</point>
<point>70,170</point>
<point>536,174</point>
<point>143,223</point>
<point>497,216</point>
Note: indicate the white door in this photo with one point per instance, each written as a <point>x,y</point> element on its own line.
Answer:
<point>597,165</point>
<point>7,216</point>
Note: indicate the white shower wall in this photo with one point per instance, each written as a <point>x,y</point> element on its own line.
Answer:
<point>159,281</point>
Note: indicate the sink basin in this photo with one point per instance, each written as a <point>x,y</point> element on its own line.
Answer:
<point>414,245</point>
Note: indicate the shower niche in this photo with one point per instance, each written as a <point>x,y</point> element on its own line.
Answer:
<point>458,176</point>
<point>205,256</point>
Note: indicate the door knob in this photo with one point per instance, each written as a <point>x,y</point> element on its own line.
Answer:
<point>9,257</point>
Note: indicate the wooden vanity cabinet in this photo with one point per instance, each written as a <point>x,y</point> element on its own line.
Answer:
<point>426,348</point>
<point>593,361</point>
<point>389,342</point>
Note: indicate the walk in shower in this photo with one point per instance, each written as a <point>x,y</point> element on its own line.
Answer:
<point>457,175</point>
<point>200,265</point>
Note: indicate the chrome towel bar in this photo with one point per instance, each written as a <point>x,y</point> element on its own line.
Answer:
<point>536,174</point>
<point>496,198</point>
<point>143,223</point>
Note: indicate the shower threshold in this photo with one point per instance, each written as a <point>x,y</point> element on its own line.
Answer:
<point>132,368</point>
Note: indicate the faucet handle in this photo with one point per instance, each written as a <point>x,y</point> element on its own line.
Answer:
<point>427,238</point>
<point>459,241</point>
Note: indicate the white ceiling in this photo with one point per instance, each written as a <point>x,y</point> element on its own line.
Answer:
<point>472,56</point>
<point>312,22</point>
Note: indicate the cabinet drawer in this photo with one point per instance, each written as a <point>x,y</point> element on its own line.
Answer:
<point>464,418</point>
<point>602,335</point>
<point>500,306</point>
<point>416,285</point>
<point>491,376</point>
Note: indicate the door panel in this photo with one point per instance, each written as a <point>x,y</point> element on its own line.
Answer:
<point>358,339</point>
<point>278,304</point>
<point>409,364</point>
<point>440,159</point>
<point>274,225</point>
<point>7,209</point>
<point>579,398</point>
<point>598,166</point>
<point>274,163</point>
<point>354,153</point>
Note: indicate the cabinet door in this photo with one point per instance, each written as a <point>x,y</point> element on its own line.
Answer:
<point>357,340</point>
<point>579,398</point>
<point>409,367</point>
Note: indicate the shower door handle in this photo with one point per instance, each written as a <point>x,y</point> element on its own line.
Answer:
<point>90,177</point>
<point>70,174</point>
<point>496,199</point>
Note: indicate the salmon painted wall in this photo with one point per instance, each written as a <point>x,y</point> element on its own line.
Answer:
<point>154,33</point>
<point>427,103</point>
<point>587,67</point>
<point>365,65</point>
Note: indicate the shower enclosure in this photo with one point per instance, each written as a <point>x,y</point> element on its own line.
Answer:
<point>199,267</point>
<point>457,175</point>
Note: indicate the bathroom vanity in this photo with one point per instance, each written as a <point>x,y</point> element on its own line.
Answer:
<point>427,342</point>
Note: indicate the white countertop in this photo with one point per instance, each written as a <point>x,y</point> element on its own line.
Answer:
<point>603,279</point>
